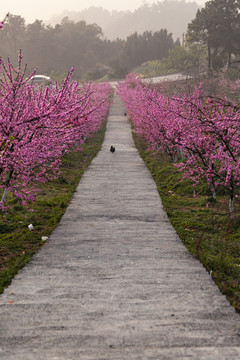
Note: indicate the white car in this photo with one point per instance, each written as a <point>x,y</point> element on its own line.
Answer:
<point>40,80</point>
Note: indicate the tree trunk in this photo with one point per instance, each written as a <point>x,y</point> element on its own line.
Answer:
<point>212,188</point>
<point>209,59</point>
<point>182,154</point>
<point>229,59</point>
<point>231,201</point>
<point>6,189</point>
<point>231,208</point>
<point>4,196</point>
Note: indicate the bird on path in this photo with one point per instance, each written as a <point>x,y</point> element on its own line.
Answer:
<point>112,149</point>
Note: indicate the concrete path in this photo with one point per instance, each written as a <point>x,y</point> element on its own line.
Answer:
<point>114,282</point>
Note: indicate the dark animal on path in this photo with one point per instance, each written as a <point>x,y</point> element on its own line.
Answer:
<point>112,149</point>
<point>125,114</point>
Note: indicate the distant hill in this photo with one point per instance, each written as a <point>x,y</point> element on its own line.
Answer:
<point>172,15</point>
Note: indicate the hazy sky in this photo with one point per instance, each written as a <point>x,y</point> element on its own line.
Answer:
<point>45,9</point>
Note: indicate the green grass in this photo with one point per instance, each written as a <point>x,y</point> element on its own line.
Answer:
<point>17,243</point>
<point>207,232</point>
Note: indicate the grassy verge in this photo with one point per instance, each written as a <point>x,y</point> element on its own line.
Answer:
<point>17,243</point>
<point>206,231</point>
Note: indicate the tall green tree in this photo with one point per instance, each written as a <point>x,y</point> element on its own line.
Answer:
<point>34,47</point>
<point>139,48</point>
<point>12,37</point>
<point>217,26</point>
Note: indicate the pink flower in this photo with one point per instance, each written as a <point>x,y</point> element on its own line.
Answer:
<point>1,25</point>
<point>206,132</point>
<point>43,127</point>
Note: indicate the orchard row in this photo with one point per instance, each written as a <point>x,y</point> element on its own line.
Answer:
<point>201,134</point>
<point>40,124</point>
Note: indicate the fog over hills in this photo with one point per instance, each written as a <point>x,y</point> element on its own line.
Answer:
<point>172,15</point>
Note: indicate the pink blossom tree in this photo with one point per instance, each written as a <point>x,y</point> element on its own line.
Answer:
<point>214,152</point>
<point>39,124</point>
<point>205,131</point>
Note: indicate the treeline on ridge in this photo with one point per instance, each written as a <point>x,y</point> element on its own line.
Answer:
<point>173,15</point>
<point>55,50</point>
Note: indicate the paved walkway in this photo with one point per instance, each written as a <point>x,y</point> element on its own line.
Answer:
<point>114,282</point>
